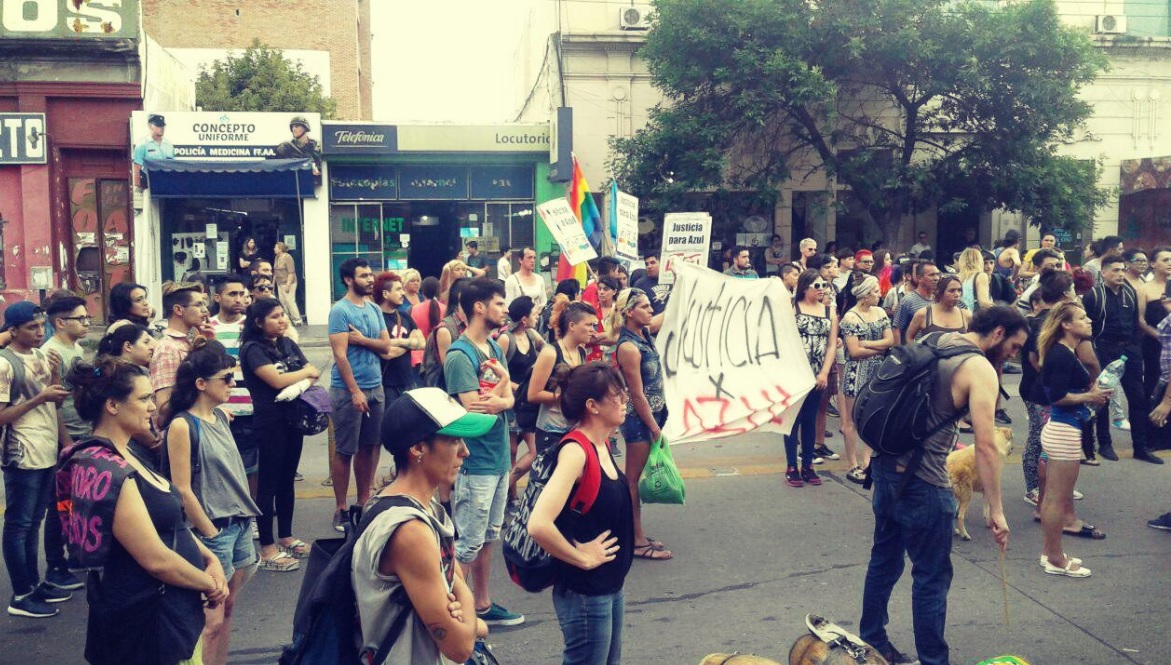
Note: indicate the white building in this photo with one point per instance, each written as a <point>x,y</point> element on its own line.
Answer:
<point>583,54</point>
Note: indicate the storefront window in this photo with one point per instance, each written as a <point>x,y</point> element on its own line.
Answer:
<point>203,238</point>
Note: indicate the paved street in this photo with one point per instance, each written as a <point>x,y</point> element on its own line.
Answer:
<point>754,556</point>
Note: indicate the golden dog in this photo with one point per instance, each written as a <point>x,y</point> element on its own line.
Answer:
<point>961,468</point>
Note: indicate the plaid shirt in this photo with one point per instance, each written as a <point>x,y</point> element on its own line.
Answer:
<point>171,351</point>
<point>1165,348</point>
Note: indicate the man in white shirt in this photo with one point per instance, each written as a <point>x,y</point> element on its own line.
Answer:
<point>30,390</point>
<point>504,264</point>
<point>921,246</point>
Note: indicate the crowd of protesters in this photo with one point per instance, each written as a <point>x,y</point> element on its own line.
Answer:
<point>464,378</point>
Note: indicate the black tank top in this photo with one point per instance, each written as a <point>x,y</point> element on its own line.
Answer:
<point>520,365</point>
<point>1154,314</point>
<point>125,584</point>
<point>612,510</point>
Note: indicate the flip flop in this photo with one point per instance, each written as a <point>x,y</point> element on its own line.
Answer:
<point>1087,531</point>
<point>281,563</point>
<point>298,549</point>
<point>652,553</point>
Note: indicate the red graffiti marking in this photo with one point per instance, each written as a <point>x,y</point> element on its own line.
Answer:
<point>700,414</point>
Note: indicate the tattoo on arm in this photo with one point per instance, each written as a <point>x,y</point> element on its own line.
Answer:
<point>438,632</point>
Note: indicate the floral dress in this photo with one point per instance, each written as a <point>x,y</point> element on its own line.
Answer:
<point>858,372</point>
<point>814,332</point>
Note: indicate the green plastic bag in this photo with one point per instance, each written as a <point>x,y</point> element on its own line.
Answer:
<point>661,481</point>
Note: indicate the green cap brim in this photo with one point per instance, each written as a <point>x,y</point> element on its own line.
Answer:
<point>470,424</point>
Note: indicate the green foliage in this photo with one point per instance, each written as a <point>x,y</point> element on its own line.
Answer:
<point>910,103</point>
<point>261,79</point>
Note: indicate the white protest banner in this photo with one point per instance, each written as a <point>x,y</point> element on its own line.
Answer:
<point>731,355</point>
<point>563,224</point>
<point>686,237</point>
<point>626,211</point>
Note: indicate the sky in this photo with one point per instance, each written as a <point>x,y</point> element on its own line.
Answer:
<point>445,60</point>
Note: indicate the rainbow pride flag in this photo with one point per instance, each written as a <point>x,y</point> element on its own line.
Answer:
<point>582,203</point>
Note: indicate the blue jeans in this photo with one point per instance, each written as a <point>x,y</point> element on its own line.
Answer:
<point>29,494</point>
<point>591,626</point>
<point>805,427</point>
<point>919,525</point>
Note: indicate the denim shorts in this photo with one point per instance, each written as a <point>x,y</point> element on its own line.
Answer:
<point>352,428</point>
<point>477,508</point>
<point>233,545</point>
<point>635,431</point>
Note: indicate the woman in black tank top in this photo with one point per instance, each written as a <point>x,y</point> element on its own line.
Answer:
<point>137,615</point>
<point>595,546</point>
<point>521,345</point>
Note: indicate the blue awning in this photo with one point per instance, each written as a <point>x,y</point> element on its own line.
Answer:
<point>268,178</point>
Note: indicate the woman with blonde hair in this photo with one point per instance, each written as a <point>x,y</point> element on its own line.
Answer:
<point>412,283</point>
<point>646,412</point>
<point>1070,392</point>
<point>452,271</point>
<point>975,282</point>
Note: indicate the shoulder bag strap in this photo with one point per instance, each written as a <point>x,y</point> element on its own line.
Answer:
<point>20,385</point>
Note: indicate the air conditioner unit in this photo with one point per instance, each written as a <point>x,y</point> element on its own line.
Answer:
<point>635,18</point>
<point>1110,24</point>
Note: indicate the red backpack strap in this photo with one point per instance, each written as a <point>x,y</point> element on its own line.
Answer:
<point>586,492</point>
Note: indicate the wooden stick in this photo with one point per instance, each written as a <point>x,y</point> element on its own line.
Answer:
<point>1004,587</point>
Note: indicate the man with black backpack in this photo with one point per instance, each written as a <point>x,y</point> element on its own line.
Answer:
<point>914,506</point>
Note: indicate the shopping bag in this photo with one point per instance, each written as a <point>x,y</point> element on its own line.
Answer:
<point>661,481</point>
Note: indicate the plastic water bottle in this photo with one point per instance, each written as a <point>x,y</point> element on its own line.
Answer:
<point>1111,375</point>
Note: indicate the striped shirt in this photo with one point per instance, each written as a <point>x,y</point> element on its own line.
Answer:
<point>228,334</point>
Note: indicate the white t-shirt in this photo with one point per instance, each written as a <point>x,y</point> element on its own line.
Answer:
<point>514,288</point>
<point>33,436</point>
<point>503,268</point>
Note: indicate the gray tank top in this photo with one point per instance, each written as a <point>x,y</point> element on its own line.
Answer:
<point>221,484</point>
<point>933,468</point>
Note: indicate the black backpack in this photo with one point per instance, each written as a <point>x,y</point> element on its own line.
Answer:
<point>893,410</point>
<point>432,372</point>
<point>325,624</point>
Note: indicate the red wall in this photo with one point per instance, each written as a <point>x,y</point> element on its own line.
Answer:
<point>88,128</point>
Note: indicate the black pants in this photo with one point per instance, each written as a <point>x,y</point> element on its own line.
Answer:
<point>280,454</point>
<point>1132,387</point>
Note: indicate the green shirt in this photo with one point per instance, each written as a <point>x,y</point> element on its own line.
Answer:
<point>488,454</point>
<point>77,427</point>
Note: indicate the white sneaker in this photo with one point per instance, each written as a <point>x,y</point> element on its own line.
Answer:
<point>818,460</point>
<point>1122,424</point>
<point>1078,496</point>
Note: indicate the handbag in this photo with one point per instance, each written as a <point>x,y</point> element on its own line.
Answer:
<point>661,481</point>
<point>309,412</point>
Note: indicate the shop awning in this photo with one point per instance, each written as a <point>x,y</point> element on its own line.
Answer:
<point>1138,175</point>
<point>269,178</point>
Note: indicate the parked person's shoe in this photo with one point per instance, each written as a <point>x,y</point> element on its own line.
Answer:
<point>1002,417</point>
<point>856,475</point>
<point>1150,458</point>
<point>1031,497</point>
<point>894,657</point>
<point>1107,452</point>
<point>63,579</point>
<point>1162,522</point>
<point>832,411</point>
<point>1122,424</point>
<point>52,594</point>
<point>339,521</point>
<point>823,451</point>
<point>32,607</point>
<point>810,477</point>
<point>793,477</point>
<point>496,615</point>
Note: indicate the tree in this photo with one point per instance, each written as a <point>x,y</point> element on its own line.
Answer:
<point>261,79</point>
<point>909,103</point>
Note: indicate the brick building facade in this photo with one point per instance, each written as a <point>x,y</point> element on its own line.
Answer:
<point>340,27</point>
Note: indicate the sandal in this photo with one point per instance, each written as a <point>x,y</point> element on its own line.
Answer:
<point>1091,461</point>
<point>298,549</point>
<point>281,563</point>
<point>1087,531</point>
<point>856,475</point>
<point>1072,568</point>
<point>655,541</point>
<point>652,552</point>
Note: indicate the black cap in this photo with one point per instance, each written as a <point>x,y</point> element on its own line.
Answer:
<point>422,413</point>
<point>157,120</point>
